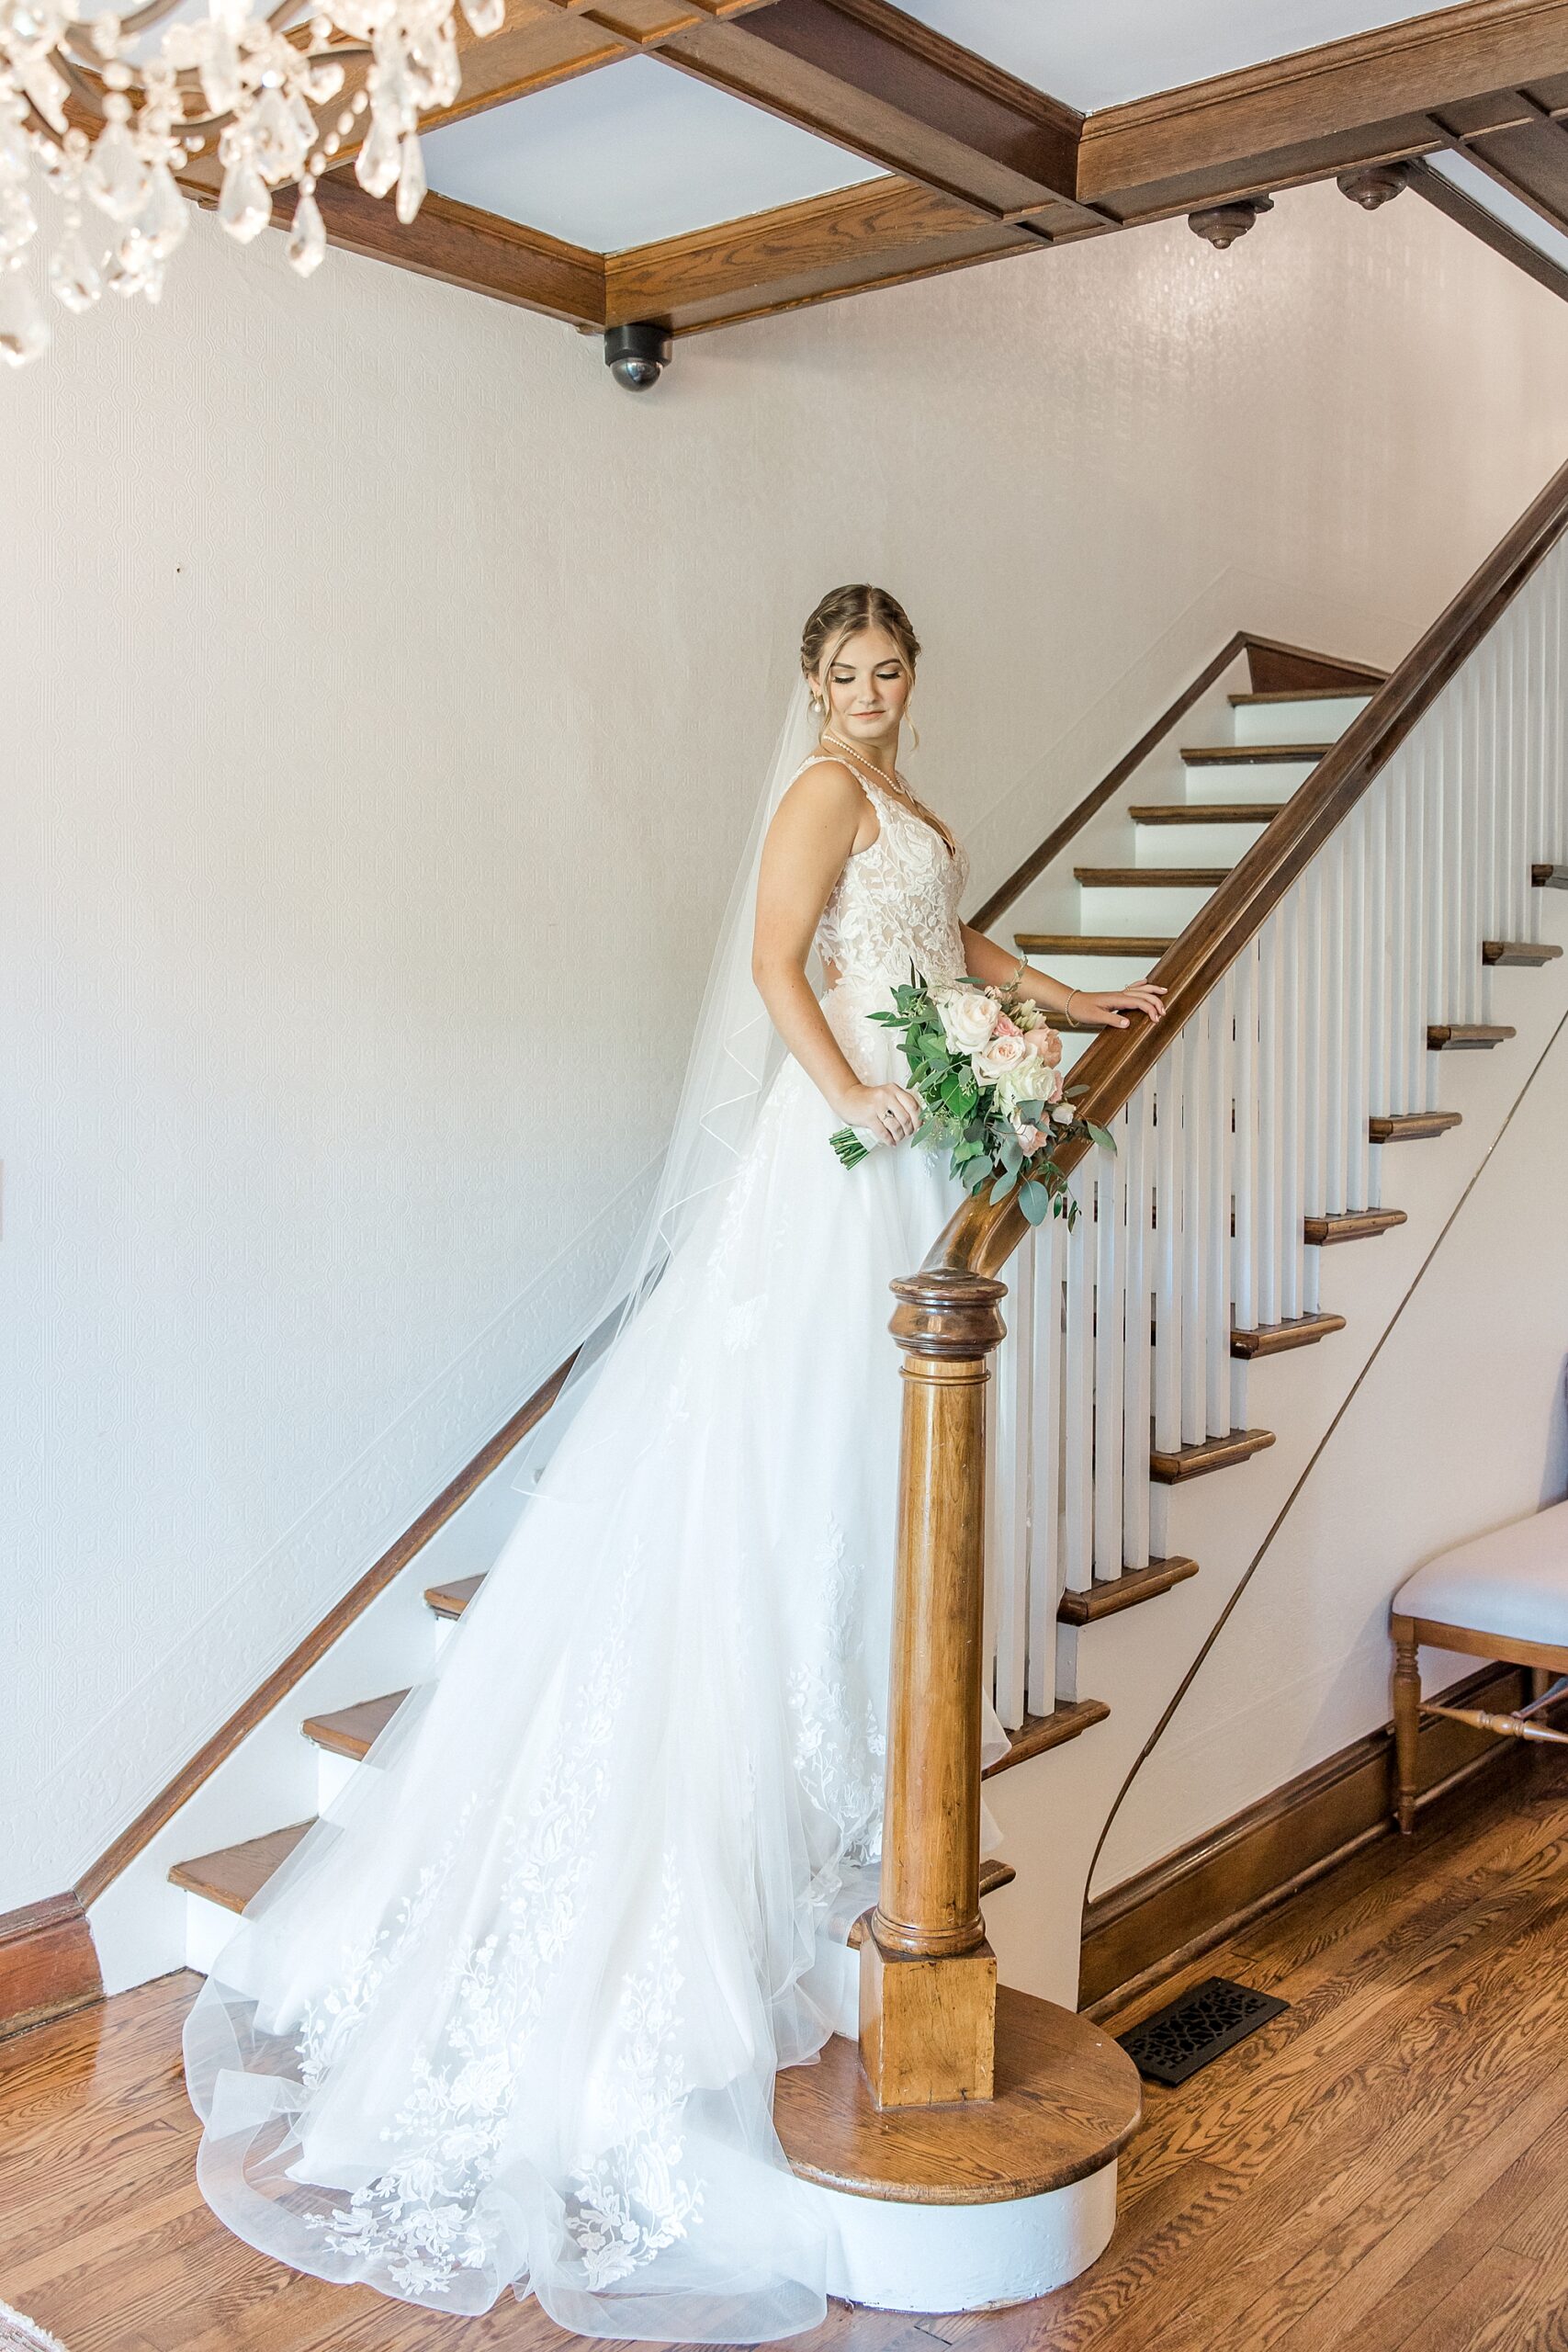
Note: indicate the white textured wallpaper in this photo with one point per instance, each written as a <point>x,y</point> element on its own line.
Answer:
<point>383,690</point>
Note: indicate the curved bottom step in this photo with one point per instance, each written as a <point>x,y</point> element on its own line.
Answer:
<point>969,2207</point>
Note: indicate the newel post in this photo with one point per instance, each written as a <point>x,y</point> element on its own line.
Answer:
<point>927,1980</point>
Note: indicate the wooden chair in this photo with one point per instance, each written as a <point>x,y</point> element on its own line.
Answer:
<point>1505,1596</point>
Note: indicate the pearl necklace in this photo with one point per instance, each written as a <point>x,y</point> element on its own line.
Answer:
<point>900,790</point>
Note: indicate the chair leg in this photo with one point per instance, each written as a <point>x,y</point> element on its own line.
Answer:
<point>1406,1729</point>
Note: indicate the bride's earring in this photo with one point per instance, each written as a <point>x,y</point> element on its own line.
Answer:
<point>913,730</point>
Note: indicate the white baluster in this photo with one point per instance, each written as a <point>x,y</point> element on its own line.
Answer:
<point>1244,1249</point>
<point>1077,1437</point>
<point>1051,1243</point>
<point>1110,1309</point>
<point>1008,1535</point>
<point>1135,1352</point>
<point>1266,1226</point>
<point>1315,1059</point>
<point>1168,1254</point>
<point>1219,1094</point>
<point>1292,998</point>
<point>1194,1319</point>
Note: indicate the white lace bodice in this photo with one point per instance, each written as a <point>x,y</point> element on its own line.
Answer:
<point>896,903</point>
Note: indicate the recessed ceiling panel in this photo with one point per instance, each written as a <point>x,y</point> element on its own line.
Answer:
<point>631,154</point>
<point>1503,205</point>
<point>1100,52</point>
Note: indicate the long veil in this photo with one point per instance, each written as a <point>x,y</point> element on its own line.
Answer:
<point>515,1999</point>
<point>735,1055</point>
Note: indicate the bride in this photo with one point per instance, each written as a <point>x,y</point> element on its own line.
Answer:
<point>510,2014</point>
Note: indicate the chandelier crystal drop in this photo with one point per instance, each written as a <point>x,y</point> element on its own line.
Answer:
<point>104,114</point>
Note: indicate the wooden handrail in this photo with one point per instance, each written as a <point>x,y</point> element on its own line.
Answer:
<point>928,1976</point>
<point>981,1238</point>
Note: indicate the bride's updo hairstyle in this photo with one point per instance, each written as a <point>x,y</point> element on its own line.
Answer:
<point>842,613</point>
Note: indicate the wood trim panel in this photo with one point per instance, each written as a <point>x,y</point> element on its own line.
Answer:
<point>981,1236</point>
<point>282,1680</point>
<point>465,247</point>
<point>878,235</point>
<point>46,1962</point>
<point>873,81</point>
<point>1367,98</point>
<point>1206,1890</point>
<point>1464,212</point>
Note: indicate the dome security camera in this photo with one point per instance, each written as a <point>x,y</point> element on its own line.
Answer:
<point>637,356</point>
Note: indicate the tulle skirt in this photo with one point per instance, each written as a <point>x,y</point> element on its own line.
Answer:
<point>510,2014</point>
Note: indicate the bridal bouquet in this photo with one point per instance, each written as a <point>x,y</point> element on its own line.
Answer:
<point>981,1060</point>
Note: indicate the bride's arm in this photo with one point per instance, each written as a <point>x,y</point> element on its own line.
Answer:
<point>812,834</point>
<point>1108,1009</point>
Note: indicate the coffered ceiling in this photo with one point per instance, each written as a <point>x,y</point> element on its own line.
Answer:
<point>696,161</point>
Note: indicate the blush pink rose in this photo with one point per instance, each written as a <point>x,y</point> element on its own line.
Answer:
<point>1030,1139</point>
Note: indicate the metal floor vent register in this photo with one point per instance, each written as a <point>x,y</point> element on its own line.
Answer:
<point>1185,2035</point>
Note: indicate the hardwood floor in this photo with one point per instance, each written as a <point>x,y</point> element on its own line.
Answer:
<point>1381,2167</point>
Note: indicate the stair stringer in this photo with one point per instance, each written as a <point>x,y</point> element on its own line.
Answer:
<point>270,1777</point>
<point>1053,1809</point>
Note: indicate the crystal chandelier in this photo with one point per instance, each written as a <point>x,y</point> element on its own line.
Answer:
<point>105,112</point>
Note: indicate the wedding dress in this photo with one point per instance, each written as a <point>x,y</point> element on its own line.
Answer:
<point>510,2012</point>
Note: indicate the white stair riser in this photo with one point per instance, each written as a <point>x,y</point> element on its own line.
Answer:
<point>1221,844</point>
<point>1094,972</point>
<point>1158,912</point>
<point>1245,780</point>
<point>1296,722</point>
<point>333,1774</point>
<point>209,1927</point>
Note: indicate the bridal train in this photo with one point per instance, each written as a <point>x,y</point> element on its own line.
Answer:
<point>510,2014</point>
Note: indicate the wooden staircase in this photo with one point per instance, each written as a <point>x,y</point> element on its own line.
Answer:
<point>1132,916</point>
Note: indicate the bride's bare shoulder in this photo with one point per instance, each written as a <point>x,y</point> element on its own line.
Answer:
<point>826,791</point>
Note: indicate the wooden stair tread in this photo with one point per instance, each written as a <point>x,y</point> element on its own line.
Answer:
<point>1213,1454</point>
<point>1309,694</point>
<point>232,1874</point>
<point>1151,877</point>
<point>1466,1036</point>
<point>451,1600</point>
<point>1207,812</point>
<point>1351,1225</point>
<point>1549,877</point>
<point>1037,1733</point>
<point>348,1731</point>
<point>1530,952</point>
<point>1411,1127</point>
<point>1067,2099</point>
<point>1066,942</point>
<point>1276,1339</point>
<point>1106,1597</point>
<point>1233,755</point>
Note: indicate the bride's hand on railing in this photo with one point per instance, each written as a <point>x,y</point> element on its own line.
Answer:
<point>1112,1007</point>
<point>891,1113</point>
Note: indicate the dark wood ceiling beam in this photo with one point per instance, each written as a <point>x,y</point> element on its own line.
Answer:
<point>465,247</point>
<point>878,235</point>
<point>1466,213</point>
<point>874,81</point>
<point>1368,98</point>
<point>1526,153</point>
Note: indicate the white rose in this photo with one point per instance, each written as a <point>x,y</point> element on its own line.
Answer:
<point>1006,1058</point>
<point>968,1017</point>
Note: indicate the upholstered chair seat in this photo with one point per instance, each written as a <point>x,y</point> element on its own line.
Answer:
<point>1513,1581</point>
<point>1503,1596</point>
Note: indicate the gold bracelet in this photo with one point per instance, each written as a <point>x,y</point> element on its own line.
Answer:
<point>1022,968</point>
<point>1068,1008</point>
